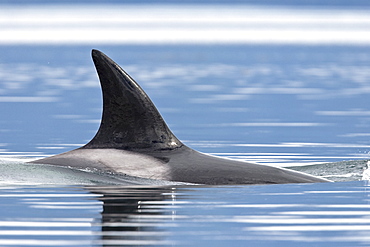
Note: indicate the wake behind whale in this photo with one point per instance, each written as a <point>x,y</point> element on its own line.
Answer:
<point>133,139</point>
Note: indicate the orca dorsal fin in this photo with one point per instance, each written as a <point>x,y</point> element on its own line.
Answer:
<point>130,120</point>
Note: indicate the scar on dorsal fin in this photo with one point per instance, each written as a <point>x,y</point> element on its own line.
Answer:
<point>130,121</point>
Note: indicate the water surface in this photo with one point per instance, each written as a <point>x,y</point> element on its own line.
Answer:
<point>267,104</point>
<point>293,93</point>
<point>332,214</point>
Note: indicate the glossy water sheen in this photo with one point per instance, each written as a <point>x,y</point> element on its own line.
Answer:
<point>334,214</point>
<point>269,104</point>
<point>286,105</point>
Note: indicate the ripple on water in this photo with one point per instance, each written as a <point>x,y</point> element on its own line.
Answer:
<point>304,214</point>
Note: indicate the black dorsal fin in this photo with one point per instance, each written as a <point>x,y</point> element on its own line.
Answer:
<point>130,120</point>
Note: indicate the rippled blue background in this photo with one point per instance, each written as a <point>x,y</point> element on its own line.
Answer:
<point>283,101</point>
<point>269,102</point>
<point>309,102</point>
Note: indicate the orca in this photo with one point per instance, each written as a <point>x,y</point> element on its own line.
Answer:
<point>133,139</point>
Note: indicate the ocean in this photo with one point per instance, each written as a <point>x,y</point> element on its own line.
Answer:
<point>281,84</point>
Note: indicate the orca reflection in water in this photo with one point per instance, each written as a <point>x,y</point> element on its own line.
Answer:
<point>134,139</point>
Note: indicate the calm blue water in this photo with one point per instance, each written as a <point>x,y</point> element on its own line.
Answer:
<point>291,104</point>
<point>335,214</point>
<point>273,104</point>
